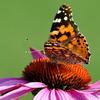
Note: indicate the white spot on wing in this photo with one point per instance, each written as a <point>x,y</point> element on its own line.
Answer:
<point>59,11</point>
<point>63,11</point>
<point>65,14</point>
<point>65,18</point>
<point>57,20</point>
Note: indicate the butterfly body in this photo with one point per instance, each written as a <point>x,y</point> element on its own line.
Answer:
<point>65,43</point>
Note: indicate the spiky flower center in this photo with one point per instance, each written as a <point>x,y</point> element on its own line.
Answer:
<point>57,75</point>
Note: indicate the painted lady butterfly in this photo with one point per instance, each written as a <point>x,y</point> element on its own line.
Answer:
<point>66,44</point>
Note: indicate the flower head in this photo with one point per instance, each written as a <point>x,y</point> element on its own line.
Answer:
<point>50,81</point>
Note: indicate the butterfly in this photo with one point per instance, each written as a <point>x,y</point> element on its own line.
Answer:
<point>66,43</point>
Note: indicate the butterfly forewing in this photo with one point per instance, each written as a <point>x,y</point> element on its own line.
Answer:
<point>63,27</point>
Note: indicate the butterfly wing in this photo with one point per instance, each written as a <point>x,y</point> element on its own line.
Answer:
<point>65,44</point>
<point>63,27</point>
<point>79,47</point>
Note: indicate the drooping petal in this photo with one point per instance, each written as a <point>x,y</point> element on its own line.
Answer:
<point>16,99</point>
<point>36,53</point>
<point>22,90</point>
<point>97,94</point>
<point>93,86</point>
<point>45,96</point>
<point>90,96</point>
<point>44,93</point>
<point>8,84</point>
<point>85,95</point>
<point>64,95</point>
<point>5,89</point>
<point>76,95</point>
<point>15,93</point>
<point>61,94</point>
<point>11,81</point>
<point>54,95</point>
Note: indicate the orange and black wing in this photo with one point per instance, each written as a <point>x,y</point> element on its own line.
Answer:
<point>65,43</point>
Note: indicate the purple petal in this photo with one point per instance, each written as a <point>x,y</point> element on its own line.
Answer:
<point>94,85</point>
<point>35,85</point>
<point>97,93</point>
<point>11,81</point>
<point>16,99</point>
<point>54,95</point>
<point>15,93</point>
<point>37,54</point>
<point>21,90</point>
<point>5,89</point>
<point>8,84</point>
<point>46,96</point>
<point>59,95</point>
<point>92,88</point>
<point>41,94</point>
<point>77,95</point>
<point>64,95</point>
<point>90,96</point>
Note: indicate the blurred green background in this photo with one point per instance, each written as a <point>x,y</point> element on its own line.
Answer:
<point>32,19</point>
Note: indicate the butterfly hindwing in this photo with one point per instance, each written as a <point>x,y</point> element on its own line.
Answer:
<point>79,47</point>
